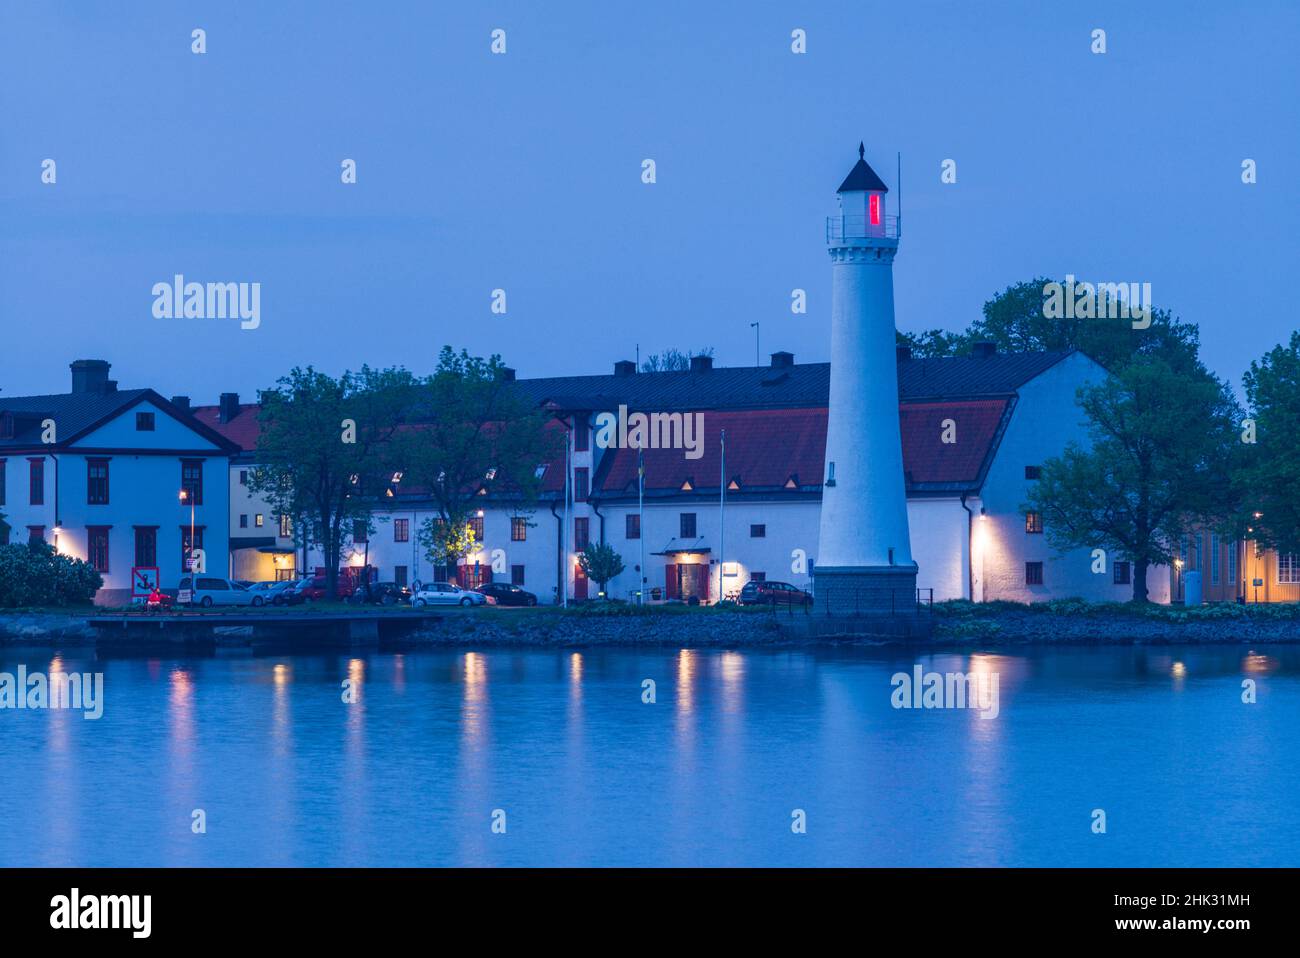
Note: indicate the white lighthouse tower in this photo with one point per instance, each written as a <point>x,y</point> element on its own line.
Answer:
<point>864,557</point>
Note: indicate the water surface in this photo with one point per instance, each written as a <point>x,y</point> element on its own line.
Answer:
<point>586,774</point>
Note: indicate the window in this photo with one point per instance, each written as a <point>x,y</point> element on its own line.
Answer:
<point>875,209</point>
<point>192,481</point>
<point>4,534</point>
<point>258,520</point>
<point>2,482</point>
<point>286,527</point>
<point>688,525</point>
<point>243,477</point>
<point>144,422</point>
<point>1123,573</point>
<point>518,529</point>
<point>580,484</point>
<point>399,576</point>
<point>1288,568</point>
<point>1214,558</point>
<point>758,532</point>
<point>1033,573</point>
<point>758,577</point>
<point>1033,472</point>
<point>36,533</point>
<point>1232,563</point>
<point>476,527</point>
<point>243,521</point>
<point>1196,550</point>
<point>186,546</point>
<point>146,547</point>
<point>580,435</point>
<point>581,534</point>
<point>36,481</point>
<point>97,547</point>
<point>401,530</point>
<point>1034,522</point>
<point>516,575</point>
<point>360,530</point>
<point>633,529</point>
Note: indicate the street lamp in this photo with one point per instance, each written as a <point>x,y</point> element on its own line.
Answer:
<point>189,563</point>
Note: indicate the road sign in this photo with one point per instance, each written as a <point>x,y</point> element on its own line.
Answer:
<point>143,581</point>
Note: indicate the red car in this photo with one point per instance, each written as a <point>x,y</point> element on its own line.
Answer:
<point>773,593</point>
<point>313,590</point>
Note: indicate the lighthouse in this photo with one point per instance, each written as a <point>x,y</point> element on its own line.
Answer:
<point>864,555</point>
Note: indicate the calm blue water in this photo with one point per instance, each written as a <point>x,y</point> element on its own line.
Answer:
<point>708,775</point>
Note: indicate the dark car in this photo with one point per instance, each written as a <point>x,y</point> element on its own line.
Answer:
<point>313,590</point>
<point>381,593</point>
<point>507,594</point>
<point>773,593</point>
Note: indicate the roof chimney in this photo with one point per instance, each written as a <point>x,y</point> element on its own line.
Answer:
<point>228,408</point>
<point>507,374</point>
<point>902,352</point>
<point>701,364</point>
<point>983,350</point>
<point>89,375</point>
<point>782,360</point>
<point>625,367</point>
<point>181,402</point>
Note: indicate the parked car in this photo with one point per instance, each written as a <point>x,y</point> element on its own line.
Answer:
<point>313,589</point>
<point>207,591</point>
<point>446,593</point>
<point>773,593</point>
<point>507,594</point>
<point>275,593</point>
<point>381,593</point>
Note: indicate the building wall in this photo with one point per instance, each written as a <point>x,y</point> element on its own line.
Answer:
<point>143,491</point>
<point>249,563</point>
<point>1045,419</point>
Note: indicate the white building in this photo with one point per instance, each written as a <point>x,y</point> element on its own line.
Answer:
<point>1003,414</point>
<point>97,472</point>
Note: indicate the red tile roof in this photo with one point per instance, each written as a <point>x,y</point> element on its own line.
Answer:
<point>767,448</point>
<point>243,430</point>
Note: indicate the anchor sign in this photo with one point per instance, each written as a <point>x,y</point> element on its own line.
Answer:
<point>143,581</point>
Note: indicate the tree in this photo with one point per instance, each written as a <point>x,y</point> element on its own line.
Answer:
<point>671,360</point>
<point>33,574</point>
<point>477,436</point>
<point>326,449</point>
<point>1158,465</point>
<point>1017,320</point>
<point>600,563</point>
<point>1270,468</point>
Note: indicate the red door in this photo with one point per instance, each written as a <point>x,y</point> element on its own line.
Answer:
<point>670,580</point>
<point>579,583</point>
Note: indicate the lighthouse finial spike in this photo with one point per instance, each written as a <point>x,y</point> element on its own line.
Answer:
<point>862,151</point>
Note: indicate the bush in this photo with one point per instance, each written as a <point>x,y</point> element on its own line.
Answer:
<point>32,575</point>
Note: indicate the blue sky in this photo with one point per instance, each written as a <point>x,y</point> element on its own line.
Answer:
<point>522,172</point>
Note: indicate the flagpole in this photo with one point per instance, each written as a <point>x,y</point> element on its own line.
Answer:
<point>722,512</point>
<point>640,522</point>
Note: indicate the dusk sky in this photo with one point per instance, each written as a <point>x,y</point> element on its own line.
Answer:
<point>522,171</point>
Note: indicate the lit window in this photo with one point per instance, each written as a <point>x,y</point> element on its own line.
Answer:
<point>1288,569</point>
<point>1034,522</point>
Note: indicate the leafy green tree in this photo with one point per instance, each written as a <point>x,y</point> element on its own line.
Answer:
<point>1157,467</point>
<point>477,437</point>
<point>672,360</point>
<point>1270,468</point>
<point>1015,320</point>
<point>326,449</point>
<point>33,574</point>
<point>600,563</point>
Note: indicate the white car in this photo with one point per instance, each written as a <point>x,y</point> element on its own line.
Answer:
<point>208,591</point>
<point>446,593</point>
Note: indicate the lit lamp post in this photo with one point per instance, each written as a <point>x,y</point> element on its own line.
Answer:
<point>189,554</point>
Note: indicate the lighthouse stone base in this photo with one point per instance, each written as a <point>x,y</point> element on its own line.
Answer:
<point>864,590</point>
